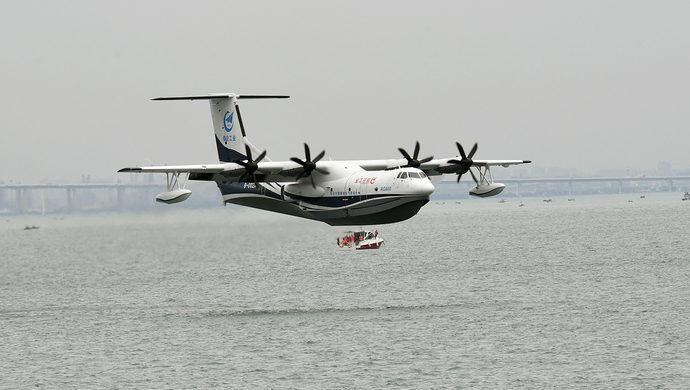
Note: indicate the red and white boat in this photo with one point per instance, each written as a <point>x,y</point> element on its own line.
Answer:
<point>361,239</point>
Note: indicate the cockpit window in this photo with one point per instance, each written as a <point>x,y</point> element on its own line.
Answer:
<point>422,174</point>
<point>414,175</point>
<point>404,175</point>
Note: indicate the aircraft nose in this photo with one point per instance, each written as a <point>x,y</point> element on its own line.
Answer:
<point>427,188</point>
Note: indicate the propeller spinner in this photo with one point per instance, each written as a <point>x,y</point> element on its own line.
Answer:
<point>466,162</point>
<point>309,165</point>
<point>412,161</point>
<point>250,166</point>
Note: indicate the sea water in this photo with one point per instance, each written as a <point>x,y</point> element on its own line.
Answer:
<point>591,293</point>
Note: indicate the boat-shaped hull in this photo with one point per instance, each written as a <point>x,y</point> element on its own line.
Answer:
<point>374,243</point>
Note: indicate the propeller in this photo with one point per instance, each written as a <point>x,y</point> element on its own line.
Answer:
<point>412,161</point>
<point>250,166</point>
<point>466,162</point>
<point>309,165</point>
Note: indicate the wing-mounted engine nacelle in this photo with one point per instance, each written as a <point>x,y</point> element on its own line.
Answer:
<point>486,190</point>
<point>174,196</point>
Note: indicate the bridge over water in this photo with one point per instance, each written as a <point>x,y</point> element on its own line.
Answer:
<point>616,181</point>
<point>68,198</point>
<point>517,185</point>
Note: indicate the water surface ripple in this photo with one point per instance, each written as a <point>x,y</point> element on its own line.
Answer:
<point>586,294</point>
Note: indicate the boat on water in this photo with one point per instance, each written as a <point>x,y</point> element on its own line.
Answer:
<point>686,196</point>
<point>502,200</point>
<point>361,239</point>
<point>27,227</point>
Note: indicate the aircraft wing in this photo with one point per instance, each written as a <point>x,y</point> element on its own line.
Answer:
<point>288,171</point>
<point>504,163</point>
<point>434,167</point>
<point>269,171</point>
<point>208,168</point>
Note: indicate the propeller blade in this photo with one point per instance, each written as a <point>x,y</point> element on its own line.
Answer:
<point>413,162</point>
<point>242,163</point>
<point>309,165</point>
<point>466,162</point>
<point>461,150</point>
<point>298,161</point>
<point>261,156</point>
<point>404,153</point>
<point>474,149</point>
<point>312,181</point>
<point>422,161</point>
<point>474,177</point>
<point>306,152</point>
<point>319,156</point>
<point>250,166</point>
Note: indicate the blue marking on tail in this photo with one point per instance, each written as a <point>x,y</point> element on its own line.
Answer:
<point>228,120</point>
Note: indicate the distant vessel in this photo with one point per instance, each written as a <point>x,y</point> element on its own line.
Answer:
<point>642,196</point>
<point>502,200</point>
<point>571,199</point>
<point>361,239</point>
<point>27,227</point>
<point>548,200</point>
<point>686,196</point>
<point>521,204</point>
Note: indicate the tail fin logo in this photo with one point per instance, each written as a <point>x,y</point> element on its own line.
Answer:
<point>228,121</point>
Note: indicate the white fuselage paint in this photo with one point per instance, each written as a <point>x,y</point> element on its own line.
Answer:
<point>348,195</point>
<point>349,180</point>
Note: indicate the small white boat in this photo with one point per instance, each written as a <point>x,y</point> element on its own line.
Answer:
<point>361,239</point>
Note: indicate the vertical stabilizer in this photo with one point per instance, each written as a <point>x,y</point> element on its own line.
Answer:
<point>227,123</point>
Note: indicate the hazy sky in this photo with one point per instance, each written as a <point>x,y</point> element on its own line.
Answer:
<point>580,85</point>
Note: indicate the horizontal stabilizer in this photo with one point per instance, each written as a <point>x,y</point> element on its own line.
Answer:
<point>220,96</point>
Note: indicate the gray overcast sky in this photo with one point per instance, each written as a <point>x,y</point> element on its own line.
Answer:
<point>579,85</point>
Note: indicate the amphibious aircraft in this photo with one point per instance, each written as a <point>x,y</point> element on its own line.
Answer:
<point>335,192</point>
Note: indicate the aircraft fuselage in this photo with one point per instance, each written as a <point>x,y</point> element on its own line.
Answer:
<point>348,195</point>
